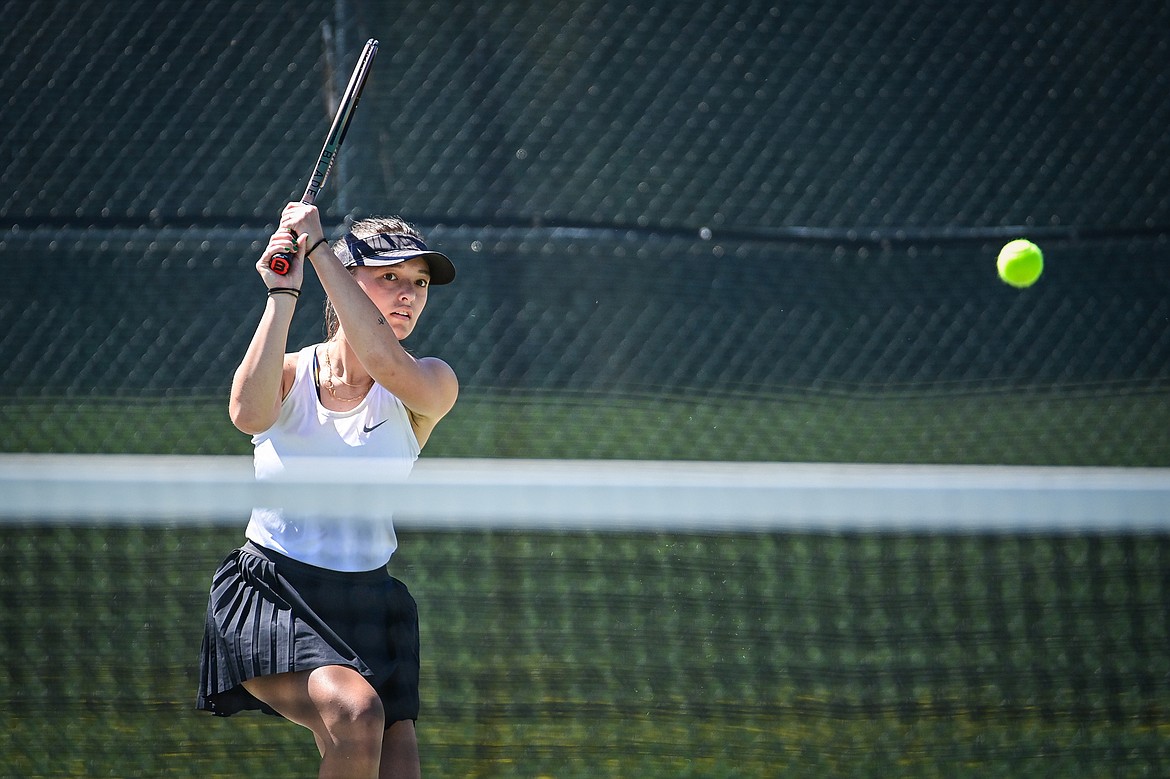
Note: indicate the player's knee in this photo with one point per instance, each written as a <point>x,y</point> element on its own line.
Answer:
<point>349,709</point>
<point>358,717</point>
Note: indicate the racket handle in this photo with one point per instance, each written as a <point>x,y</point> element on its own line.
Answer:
<point>280,264</point>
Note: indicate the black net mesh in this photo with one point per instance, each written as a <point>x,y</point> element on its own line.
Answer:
<point>583,655</point>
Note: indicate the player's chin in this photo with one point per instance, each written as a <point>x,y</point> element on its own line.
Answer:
<point>402,326</point>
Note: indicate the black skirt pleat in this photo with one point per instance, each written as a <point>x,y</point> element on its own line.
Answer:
<point>269,614</point>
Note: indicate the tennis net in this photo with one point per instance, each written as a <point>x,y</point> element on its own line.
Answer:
<point>625,619</point>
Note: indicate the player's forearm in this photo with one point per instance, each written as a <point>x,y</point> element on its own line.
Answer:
<point>366,329</point>
<point>256,386</point>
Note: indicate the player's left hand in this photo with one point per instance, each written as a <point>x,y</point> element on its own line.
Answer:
<point>304,221</point>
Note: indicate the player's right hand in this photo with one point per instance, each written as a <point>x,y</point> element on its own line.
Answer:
<point>284,243</point>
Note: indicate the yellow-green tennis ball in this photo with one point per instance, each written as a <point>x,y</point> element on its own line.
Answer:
<point>1020,263</point>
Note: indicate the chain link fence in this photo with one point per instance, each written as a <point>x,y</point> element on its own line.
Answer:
<point>685,230</point>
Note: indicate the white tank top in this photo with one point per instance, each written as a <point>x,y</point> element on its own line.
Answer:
<point>377,431</point>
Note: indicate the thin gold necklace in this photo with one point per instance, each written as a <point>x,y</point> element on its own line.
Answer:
<point>333,374</point>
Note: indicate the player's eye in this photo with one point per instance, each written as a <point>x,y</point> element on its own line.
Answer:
<point>424,282</point>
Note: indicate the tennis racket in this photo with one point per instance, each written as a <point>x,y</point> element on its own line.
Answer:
<point>282,263</point>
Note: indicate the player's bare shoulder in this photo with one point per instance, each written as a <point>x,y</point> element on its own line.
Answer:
<point>438,366</point>
<point>446,383</point>
<point>444,391</point>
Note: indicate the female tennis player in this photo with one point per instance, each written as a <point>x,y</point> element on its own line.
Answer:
<point>303,620</point>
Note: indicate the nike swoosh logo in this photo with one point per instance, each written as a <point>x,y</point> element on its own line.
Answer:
<point>375,427</point>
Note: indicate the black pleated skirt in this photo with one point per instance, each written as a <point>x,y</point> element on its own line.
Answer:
<point>270,614</point>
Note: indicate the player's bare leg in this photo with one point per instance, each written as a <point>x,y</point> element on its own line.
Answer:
<point>400,758</point>
<point>342,710</point>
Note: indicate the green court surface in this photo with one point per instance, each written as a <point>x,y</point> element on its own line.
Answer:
<point>1091,425</point>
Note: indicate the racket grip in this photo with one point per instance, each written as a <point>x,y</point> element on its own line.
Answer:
<point>280,264</point>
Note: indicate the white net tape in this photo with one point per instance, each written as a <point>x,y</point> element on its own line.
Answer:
<point>598,495</point>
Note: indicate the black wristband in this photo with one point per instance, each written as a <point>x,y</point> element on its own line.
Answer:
<point>296,293</point>
<point>314,246</point>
